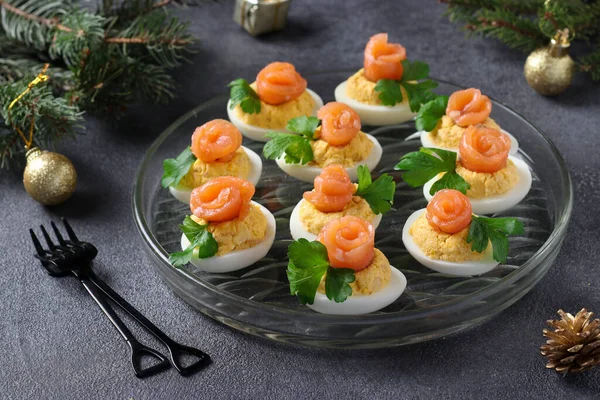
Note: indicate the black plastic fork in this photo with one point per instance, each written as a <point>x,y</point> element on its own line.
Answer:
<point>73,257</point>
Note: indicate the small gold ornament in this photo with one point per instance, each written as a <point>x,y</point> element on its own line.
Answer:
<point>574,345</point>
<point>549,70</point>
<point>49,178</point>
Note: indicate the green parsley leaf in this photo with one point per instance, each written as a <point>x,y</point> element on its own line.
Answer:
<point>389,92</point>
<point>379,194</point>
<point>423,165</point>
<point>242,93</point>
<point>450,180</point>
<point>180,258</point>
<point>484,230</point>
<point>415,81</point>
<point>430,113</point>
<point>308,263</point>
<point>174,169</point>
<point>478,236</point>
<point>304,125</point>
<point>199,238</point>
<point>296,148</point>
<point>337,286</point>
<point>414,71</point>
<point>419,93</point>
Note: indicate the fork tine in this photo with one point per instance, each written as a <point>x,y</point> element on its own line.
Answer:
<point>70,231</point>
<point>38,246</point>
<point>57,234</point>
<point>47,237</point>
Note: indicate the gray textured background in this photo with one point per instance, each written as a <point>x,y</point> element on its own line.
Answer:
<point>57,344</point>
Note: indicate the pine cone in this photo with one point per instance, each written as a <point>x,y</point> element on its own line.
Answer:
<point>574,345</point>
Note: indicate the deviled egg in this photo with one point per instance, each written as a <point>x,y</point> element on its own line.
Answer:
<point>465,107</point>
<point>278,95</point>
<point>338,140</point>
<point>216,150</point>
<point>497,181</point>
<point>342,273</point>
<point>227,231</point>
<point>335,196</point>
<point>376,91</point>
<point>437,237</point>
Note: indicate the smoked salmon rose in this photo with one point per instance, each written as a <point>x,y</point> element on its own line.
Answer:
<point>339,123</point>
<point>279,82</point>
<point>484,149</point>
<point>333,190</point>
<point>217,140</point>
<point>222,199</point>
<point>449,211</point>
<point>350,242</point>
<point>382,59</point>
<point>468,107</point>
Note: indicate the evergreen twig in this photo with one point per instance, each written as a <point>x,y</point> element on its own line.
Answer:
<point>100,62</point>
<point>528,24</point>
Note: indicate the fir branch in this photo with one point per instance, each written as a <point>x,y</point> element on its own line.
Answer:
<point>85,31</point>
<point>590,63</point>
<point>54,119</point>
<point>31,22</point>
<point>164,38</point>
<point>517,31</point>
<point>522,7</point>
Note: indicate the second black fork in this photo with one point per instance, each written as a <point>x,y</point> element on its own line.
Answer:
<point>63,260</point>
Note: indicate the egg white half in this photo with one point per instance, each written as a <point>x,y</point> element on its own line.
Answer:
<point>427,142</point>
<point>363,304</point>
<point>258,133</point>
<point>501,202</point>
<point>376,115</point>
<point>237,259</point>
<point>298,230</point>
<point>182,193</point>
<point>465,268</point>
<point>308,173</point>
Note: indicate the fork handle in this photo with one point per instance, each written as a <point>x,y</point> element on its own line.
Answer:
<point>138,350</point>
<point>176,350</point>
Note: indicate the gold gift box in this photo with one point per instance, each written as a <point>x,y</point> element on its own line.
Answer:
<point>261,16</point>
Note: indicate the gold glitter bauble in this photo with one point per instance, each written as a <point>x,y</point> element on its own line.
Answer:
<point>49,178</point>
<point>549,70</point>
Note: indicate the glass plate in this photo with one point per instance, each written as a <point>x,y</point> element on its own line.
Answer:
<point>256,300</point>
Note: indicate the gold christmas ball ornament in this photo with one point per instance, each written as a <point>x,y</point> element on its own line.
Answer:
<point>49,178</point>
<point>549,70</point>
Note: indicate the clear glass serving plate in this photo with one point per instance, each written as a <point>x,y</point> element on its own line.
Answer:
<point>256,300</point>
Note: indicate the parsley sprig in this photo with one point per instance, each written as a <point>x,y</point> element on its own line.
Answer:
<point>423,165</point>
<point>295,147</point>
<point>430,113</point>
<point>241,93</point>
<point>484,230</point>
<point>174,169</point>
<point>416,83</point>
<point>379,194</point>
<point>308,263</point>
<point>199,237</point>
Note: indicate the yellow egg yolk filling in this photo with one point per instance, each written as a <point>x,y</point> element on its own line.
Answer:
<point>277,116</point>
<point>486,184</point>
<point>238,234</point>
<point>314,220</point>
<point>348,155</point>
<point>371,279</point>
<point>362,90</point>
<point>443,246</point>
<point>447,134</point>
<point>201,172</point>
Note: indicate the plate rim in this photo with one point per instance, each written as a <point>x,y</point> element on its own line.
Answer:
<point>556,237</point>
